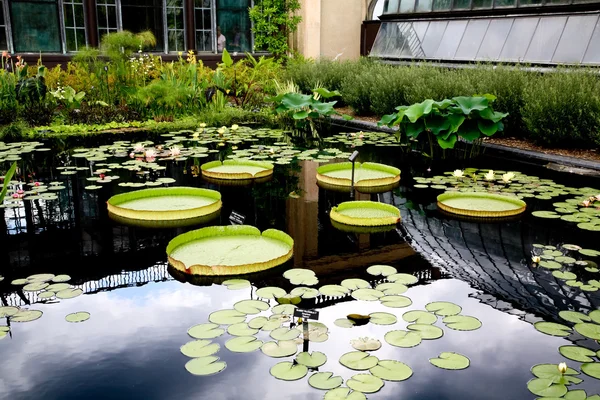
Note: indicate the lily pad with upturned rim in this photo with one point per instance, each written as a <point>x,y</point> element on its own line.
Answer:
<point>365,213</point>
<point>480,204</point>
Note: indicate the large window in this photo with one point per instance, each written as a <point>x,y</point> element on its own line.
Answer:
<point>107,17</point>
<point>234,23</point>
<point>35,26</point>
<point>3,35</point>
<point>74,25</point>
<point>175,25</point>
<point>144,15</point>
<point>203,12</point>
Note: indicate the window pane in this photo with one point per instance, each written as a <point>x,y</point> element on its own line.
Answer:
<point>78,10</point>
<point>451,40</point>
<point>441,5</point>
<point>35,26</point>
<point>68,12</point>
<point>575,39</point>
<point>519,39</point>
<point>592,55</point>
<point>545,39</point>
<point>433,37</point>
<point>505,3</point>
<point>424,5</point>
<point>234,23</point>
<point>142,15</point>
<point>494,39</point>
<point>482,3</point>
<point>71,41</point>
<point>391,7</point>
<point>462,4</point>
<point>407,6</point>
<point>203,15</point>
<point>176,40</point>
<point>530,2</point>
<point>469,46</point>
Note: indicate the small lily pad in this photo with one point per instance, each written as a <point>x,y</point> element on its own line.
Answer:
<point>574,316</point>
<point>311,360</point>
<point>450,360</point>
<point>243,344</point>
<point>365,383</point>
<point>34,287</point>
<point>333,290</point>
<point>381,270</point>
<point>395,301</point>
<point>443,308</point>
<point>564,275</point>
<point>61,278</point>
<point>552,328</point>
<point>382,318</point>
<point>427,332</point>
<point>546,388</point>
<point>270,292</point>
<point>251,306</point>
<point>304,292</point>
<point>205,331</point>
<point>391,370</point>
<point>392,288</point>
<point>236,284</point>
<point>26,316</point>
<point>325,381</point>
<point>577,353</point>
<point>78,317</point>
<point>358,360</point>
<point>203,366</point>
<point>550,264</point>
<point>8,311</point>
<point>284,333</point>
<point>40,278</point>
<point>588,330</point>
<point>365,344</point>
<point>200,348</point>
<point>344,393</point>
<point>19,282</point>
<point>462,323</point>
<point>227,317</point>
<point>287,371</point>
<point>401,338</point>
<point>69,293</point>
<point>287,309</point>
<point>405,279</point>
<point>241,329</point>
<point>367,294</point>
<point>283,348</point>
<point>354,284</point>
<point>591,369</point>
<point>419,317</point>
<point>57,287</point>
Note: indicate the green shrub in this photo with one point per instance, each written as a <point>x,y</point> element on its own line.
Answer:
<point>562,108</point>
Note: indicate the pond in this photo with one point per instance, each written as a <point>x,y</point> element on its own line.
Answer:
<point>140,309</point>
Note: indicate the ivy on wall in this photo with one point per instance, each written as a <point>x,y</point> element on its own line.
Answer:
<point>273,21</point>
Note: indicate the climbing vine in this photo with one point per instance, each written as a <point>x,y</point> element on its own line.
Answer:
<point>273,21</point>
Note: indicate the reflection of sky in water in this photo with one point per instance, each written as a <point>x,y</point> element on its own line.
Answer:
<point>130,349</point>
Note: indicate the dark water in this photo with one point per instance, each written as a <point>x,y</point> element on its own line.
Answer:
<point>140,311</point>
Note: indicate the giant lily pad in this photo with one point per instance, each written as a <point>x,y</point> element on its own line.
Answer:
<point>482,205</point>
<point>229,250</point>
<point>288,371</point>
<point>200,348</point>
<point>449,360</point>
<point>243,344</point>
<point>311,360</point>
<point>391,370</point>
<point>205,331</point>
<point>358,360</point>
<point>203,366</point>
<point>237,169</point>
<point>325,381</point>
<point>365,383</point>
<point>365,213</point>
<point>368,177</point>
<point>283,348</point>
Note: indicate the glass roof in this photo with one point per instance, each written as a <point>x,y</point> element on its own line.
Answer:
<point>573,39</point>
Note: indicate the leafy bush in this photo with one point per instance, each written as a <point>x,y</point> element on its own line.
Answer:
<point>562,108</point>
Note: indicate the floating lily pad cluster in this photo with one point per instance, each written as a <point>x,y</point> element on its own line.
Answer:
<point>358,139</point>
<point>18,192</point>
<point>583,209</point>
<point>569,263</point>
<point>13,151</point>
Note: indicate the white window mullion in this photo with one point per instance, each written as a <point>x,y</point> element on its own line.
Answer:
<point>61,21</point>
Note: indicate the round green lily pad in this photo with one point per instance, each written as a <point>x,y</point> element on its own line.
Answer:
<point>8,311</point>
<point>574,316</point>
<point>344,323</point>
<point>450,360</point>
<point>344,393</point>
<point>69,293</point>
<point>391,288</point>
<point>34,287</point>
<point>552,328</point>
<point>205,331</point>
<point>203,366</point>
<point>443,308</point>
<point>551,371</point>
<point>546,388</point>
<point>241,329</point>
<point>287,309</point>
<point>333,290</point>
<point>427,332</point>
<point>199,348</point>
<point>381,270</point>
<point>270,292</point>
<point>577,353</point>
<point>251,306</point>
<point>382,318</point>
<point>401,338</point>
<point>405,279</point>
<point>589,252</point>
<point>545,214</point>
<point>367,294</point>
<point>61,278</point>
<point>358,360</point>
<point>365,383</point>
<point>591,369</point>
<point>588,330</point>
<point>311,360</point>
<point>40,278</point>
<point>227,317</point>
<point>78,317</point>
<point>354,284</point>
<point>395,301</point>
<point>325,380</point>
<point>26,316</point>
<point>236,284</point>
<point>283,348</point>
<point>462,323</point>
<point>391,370</point>
<point>57,287</point>
<point>288,371</point>
<point>19,282</point>
<point>564,275</point>
<point>550,264</point>
<point>304,292</point>
<point>243,344</point>
<point>284,333</point>
<point>595,316</point>
<point>419,317</point>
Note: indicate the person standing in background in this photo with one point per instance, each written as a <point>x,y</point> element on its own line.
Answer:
<point>221,40</point>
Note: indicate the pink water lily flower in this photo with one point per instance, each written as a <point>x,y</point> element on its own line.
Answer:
<point>175,151</point>
<point>138,148</point>
<point>586,203</point>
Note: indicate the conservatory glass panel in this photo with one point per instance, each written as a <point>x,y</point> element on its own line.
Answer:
<point>451,40</point>
<point>107,16</point>
<point>35,26</point>
<point>472,39</point>
<point>545,39</point>
<point>203,18</point>
<point>234,21</point>
<point>482,3</point>
<point>530,2</point>
<point>407,6</point>
<point>433,37</point>
<point>424,5</point>
<point>441,5</point>
<point>420,28</point>
<point>494,39</point>
<point>461,5</point>
<point>391,6</point>
<point>144,15</point>
<point>504,3</point>
<point>592,54</point>
<point>575,39</point>
<point>518,39</point>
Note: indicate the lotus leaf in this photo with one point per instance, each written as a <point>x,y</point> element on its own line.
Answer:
<point>395,301</point>
<point>325,381</point>
<point>199,348</point>
<point>462,323</point>
<point>354,284</point>
<point>552,328</point>
<point>391,370</point>
<point>287,371</point>
<point>270,292</point>
<point>69,293</point>
<point>227,317</point>
<point>311,360</point>
<point>382,318</point>
<point>78,317</point>
<point>419,317</point>
<point>203,366</point>
<point>333,290</point>
<point>304,292</point>
<point>344,393</point>
<point>591,331</point>
<point>577,353</point>
<point>251,306</point>
<point>283,348</point>
<point>8,311</point>
<point>365,383</point>
<point>392,288</point>
<point>205,331</point>
<point>366,344</point>
<point>285,334</point>
<point>427,332</point>
<point>367,294</point>
<point>546,388</point>
<point>241,329</point>
<point>236,284</point>
<point>450,360</point>
<point>381,270</point>
<point>405,279</point>
<point>243,344</point>
<point>26,316</point>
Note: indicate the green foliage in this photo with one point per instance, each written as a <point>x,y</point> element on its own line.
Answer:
<point>562,108</point>
<point>273,21</point>
<point>7,178</point>
<point>164,98</point>
<point>68,97</point>
<point>13,132</point>
<point>467,117</point>
<point>31,89</point>
<point>118,46</point>
<point>8,97</point>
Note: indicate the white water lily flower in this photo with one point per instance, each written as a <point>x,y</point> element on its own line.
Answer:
<point>175,151</point>
<point>138,148</point>
<point>536,259</point>
<point>458,173</point>
<point>507,177</point>
<point>221,130</point>
<point>150,153</point>
<point>202,125</point>
<point>365,344</point>
<point>562,367</point>
<point>195,135</point>
<point>490,175</point>
<point>235,127</point>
